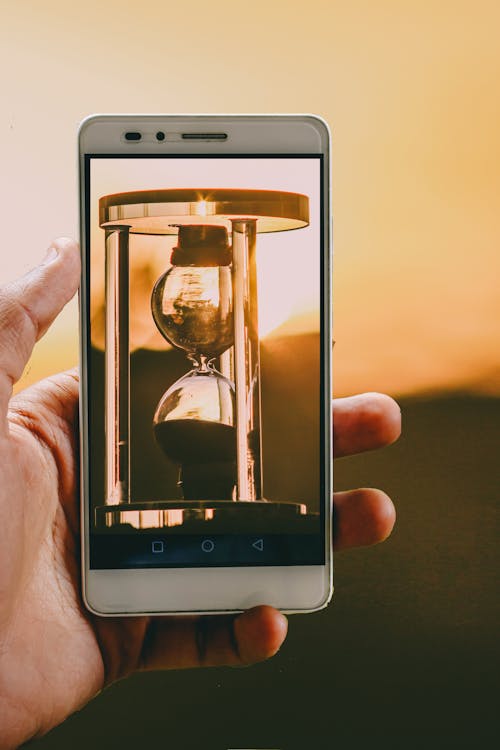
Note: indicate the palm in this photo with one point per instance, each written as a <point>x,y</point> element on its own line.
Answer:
<point>54,643</point>
<point>54,654</point>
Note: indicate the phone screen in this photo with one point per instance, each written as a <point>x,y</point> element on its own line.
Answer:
<point>205,360</point>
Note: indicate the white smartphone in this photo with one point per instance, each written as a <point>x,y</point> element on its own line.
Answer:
<point>206,432</point>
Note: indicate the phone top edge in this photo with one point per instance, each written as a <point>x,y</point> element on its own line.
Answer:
<point>316,122</point>
<point>206,115</point>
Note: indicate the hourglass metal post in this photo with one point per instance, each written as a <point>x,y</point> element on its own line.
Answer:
<point>246,362</point>
<point>117,366</point>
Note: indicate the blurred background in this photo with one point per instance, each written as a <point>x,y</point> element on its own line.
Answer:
<point>407,654</point>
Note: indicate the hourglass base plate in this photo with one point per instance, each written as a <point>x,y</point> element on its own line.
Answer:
<point>221,516</point>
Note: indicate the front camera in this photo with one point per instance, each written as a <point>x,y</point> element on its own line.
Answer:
<point>160,136</point>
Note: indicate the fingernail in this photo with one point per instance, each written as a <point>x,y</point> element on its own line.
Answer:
<point>50,256</point>
<point>283,622</point>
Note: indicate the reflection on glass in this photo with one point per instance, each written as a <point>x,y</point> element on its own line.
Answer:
<point>192,307</point>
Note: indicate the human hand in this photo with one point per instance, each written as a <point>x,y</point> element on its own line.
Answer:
<point>54,654</point>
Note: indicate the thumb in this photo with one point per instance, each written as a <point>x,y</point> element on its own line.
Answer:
<point>29,305</point>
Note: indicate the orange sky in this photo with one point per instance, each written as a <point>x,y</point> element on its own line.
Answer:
<point>411,92</point>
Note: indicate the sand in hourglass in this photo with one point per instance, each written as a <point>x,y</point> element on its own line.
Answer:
<point>196,440</point>
<point>206,452</point>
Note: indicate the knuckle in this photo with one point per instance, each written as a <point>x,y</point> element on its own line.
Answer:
<point>18,332</point>
<point>15,317</point>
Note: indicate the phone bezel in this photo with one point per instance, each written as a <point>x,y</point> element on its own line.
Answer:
<point>225,589</point>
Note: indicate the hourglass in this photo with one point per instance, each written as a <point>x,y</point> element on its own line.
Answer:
<point>192,306</point>
<point>205,304</point>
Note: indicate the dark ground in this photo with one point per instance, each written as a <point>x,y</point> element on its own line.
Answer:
<point>405,657</point>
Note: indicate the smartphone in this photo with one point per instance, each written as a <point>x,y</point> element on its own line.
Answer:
<point>205,301</point>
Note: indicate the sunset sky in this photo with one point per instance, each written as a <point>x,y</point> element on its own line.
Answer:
<point>410,90</point>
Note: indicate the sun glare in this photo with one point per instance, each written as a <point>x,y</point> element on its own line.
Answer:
<point>200,208</point>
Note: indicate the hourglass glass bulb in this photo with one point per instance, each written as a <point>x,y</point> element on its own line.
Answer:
<point>192,305</point>
<point>192,302</point>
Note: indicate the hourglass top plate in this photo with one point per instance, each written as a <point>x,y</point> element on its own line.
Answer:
<point>158,211</point>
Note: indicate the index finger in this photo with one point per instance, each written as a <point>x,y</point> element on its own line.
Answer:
<point>364,422</point>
